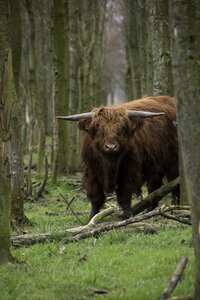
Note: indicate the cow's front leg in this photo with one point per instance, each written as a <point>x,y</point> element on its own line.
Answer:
<point>124,201</point>
<point>96,196</point>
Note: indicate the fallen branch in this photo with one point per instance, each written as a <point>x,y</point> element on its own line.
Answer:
<point>178,219</point>
<point>61,213</point>
<point>155,196</point>
<point>29,239</point>
<point>94,231</point>
<point>91,229</point>
<point>181,298</point>
<point>102,214</point>
<point>87,231</point>
<point>175,278</point>
<point>94,221</point>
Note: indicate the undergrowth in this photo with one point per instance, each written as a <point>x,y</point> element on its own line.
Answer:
<point>122,264</point>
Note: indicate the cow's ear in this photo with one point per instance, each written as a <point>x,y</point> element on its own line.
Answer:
<point>84,125</point>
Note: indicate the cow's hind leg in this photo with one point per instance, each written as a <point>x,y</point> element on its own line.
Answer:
<point>176,192</point>
<point>152,186</point>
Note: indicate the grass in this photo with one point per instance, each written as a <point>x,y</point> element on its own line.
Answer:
<point>122,264</point>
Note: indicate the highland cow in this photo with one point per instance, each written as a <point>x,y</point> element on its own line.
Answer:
<point>126,146</point>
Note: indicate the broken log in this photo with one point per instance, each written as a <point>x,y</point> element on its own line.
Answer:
<point>155,196</point>
<point>176,276</point>
<point>83,231</point>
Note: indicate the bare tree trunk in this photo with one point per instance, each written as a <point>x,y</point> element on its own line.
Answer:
<point>73,84</point>
<point>133,48</point>
<point>185,44</point>
<point>17,172</point>
<point>162,78</point>
<point>6,92</point>
<point>142,32</point>
<point>61,79</point>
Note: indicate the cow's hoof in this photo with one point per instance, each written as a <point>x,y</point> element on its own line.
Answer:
<point>92,213</point>
<point>126,215</point>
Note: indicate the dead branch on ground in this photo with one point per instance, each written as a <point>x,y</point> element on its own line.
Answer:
<point>68,236</point>
<point>176,276</point>
<point>181,298</point>
<point>96,230</point>
<point>176,218</point>
<point>62,213</point>
<point>155,196</point>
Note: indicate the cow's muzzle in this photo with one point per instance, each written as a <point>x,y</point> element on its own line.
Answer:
<point>111,147</point>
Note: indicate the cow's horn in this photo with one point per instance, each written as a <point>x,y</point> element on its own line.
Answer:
<point>83,116</point>
<point>143,114</point>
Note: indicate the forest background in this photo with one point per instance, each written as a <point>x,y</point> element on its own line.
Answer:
<point>66,57</point>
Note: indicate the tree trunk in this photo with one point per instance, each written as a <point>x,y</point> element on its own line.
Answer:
<point>142,30</point>
<point>6,78</point>
<point>61,78</point>
<point>17,172</point>
<point>185,44</point>
<point>149,56</point>
<point>73,84</point>
<point>44,75</point>
<point>133,48</point>
<point>99,11</point>
<point>162,78</point>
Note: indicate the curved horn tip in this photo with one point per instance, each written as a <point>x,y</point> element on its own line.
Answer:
<point>82,116</point>
<point>143,114</point>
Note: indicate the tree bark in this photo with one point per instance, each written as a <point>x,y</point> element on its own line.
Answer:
<point>162,77</point>
<point>73,85</point>
<point>6,92</point>
<point>17,170</point>
<point>185,44</point>
<point>61,78</point>
<point>133,48</point>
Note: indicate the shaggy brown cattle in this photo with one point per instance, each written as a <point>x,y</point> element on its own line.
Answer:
<point>125,146</point>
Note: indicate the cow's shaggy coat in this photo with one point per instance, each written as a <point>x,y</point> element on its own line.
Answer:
<point>121,153</point>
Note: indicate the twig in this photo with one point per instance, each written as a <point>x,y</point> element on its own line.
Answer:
<point>70,202</point>
<point>61,213</point>
<point>178,219</point>
<point>73,212</point>
<point>175,278</point>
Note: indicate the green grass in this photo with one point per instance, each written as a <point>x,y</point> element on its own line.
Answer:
<point>123,263</point>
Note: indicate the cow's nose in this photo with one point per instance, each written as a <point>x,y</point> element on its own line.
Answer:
<point>111,147</point>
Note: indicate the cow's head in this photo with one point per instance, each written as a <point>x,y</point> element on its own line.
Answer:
<point>110,127</point>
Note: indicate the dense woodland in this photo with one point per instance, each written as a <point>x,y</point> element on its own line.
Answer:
<point>69,56</point>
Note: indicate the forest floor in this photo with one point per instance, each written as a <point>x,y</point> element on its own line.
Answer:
<point>126,263</point>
